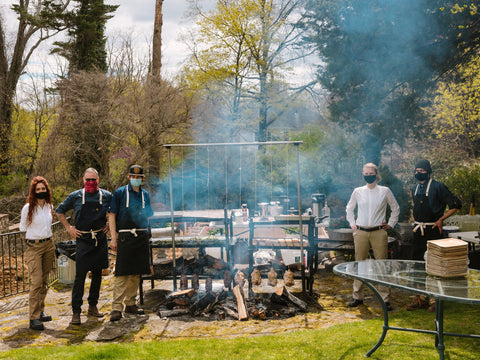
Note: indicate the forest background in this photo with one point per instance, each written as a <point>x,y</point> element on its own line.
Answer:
<point>383,81</point>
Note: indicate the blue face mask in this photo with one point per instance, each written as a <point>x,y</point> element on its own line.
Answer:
<point>135,182</point>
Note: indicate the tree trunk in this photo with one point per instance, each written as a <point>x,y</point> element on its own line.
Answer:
<point>157,40</point>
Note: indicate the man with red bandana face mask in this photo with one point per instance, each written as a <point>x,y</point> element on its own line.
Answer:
<point>89,206</point>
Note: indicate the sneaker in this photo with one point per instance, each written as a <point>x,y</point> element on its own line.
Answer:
<point>36,325</point>
<point>133,309</point>
<point>44,317</point>
<point>76,319</point>
<point>355,303</point>
<point>93,311</point>
<point>115,315</point>
<point>419,303</point>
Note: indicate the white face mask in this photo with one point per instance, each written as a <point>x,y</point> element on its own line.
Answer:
<point>135,182</point>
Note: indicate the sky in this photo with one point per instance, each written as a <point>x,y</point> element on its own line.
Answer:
<point>133,17</point>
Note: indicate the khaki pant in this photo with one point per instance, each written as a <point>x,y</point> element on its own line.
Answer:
<point>378,241</point>
<point>40,257</point>
<point>125,288</point>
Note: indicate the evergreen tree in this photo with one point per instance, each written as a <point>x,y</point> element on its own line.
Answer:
<point>86,48</point>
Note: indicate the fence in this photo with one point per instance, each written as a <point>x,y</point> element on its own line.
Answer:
<point>14,277</point>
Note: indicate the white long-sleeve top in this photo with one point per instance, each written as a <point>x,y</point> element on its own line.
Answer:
<point>372,206</point>
<point>41,226</point>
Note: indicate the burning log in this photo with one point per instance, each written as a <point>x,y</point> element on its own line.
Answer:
<point>217,264</point>
<point>283,296</point>
<point>202,303</point>
<point>241,306</point>
<point>170,313</point>
<point>180,298</point>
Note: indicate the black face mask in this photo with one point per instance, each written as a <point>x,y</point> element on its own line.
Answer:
<point>421,176</point>
<point>41,195</point>
<point>370,178</point>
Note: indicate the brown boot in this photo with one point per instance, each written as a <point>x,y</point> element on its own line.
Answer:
<point>133,309</point>
<point>76,319</point>
<point>419,303</point>
<point>93,311</point>
<point>115,315</point>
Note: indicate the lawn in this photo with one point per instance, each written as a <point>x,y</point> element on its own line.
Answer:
<point>345,341</point>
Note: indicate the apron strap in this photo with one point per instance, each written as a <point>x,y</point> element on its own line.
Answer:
<point>421,226</point>
<point>428,188</point>
<point>128,198</point>
<point>83,196</point>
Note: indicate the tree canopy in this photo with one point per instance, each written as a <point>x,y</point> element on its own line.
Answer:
<point>380,57</point>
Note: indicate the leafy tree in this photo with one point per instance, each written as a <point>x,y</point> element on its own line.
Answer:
<point>242,53</point>
<point>37,22</point>
<point>380,57</point>
<point>455,110</point>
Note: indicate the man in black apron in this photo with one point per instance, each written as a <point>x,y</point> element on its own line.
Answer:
<point>430,199</point>
<point>128,215</point>
<point>90,206</point>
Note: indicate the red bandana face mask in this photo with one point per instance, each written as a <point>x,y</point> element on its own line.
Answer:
<point>91,186</point>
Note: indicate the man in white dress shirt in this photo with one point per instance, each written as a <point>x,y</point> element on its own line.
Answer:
<point>370,227</point>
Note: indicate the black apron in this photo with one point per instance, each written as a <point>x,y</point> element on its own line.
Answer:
<point>133,250</point>
<point>91,253</point>
<point>422,212</point>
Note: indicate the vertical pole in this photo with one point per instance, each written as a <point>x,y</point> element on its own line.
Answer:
<point>172,218</point>
<point>302,258</point>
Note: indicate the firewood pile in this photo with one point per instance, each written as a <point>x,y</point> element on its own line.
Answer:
<point>231,303</point>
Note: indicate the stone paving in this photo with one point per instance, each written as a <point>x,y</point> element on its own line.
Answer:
<point>330,291</point>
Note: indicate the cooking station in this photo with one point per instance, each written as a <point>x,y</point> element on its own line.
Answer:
<point>237,232</point>
<point>239,239</point>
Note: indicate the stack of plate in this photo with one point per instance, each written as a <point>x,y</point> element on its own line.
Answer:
<point>447,258</point>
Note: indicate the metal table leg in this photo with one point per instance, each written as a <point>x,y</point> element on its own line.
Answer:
<point>439,328</point>
<point>385,320</point>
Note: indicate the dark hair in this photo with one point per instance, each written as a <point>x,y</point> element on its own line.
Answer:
<point>32,200</point>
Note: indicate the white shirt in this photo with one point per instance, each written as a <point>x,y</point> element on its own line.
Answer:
<point>372,206</point>
<point>41,225</point>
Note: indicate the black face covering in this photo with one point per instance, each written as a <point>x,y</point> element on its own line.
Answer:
<point>421,176</point>
<point>41,195</point>
<point>370,178</point>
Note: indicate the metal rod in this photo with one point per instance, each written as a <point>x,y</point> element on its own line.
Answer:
<point>172,223</point>
<point>302,257</point>
<point>235,144</point>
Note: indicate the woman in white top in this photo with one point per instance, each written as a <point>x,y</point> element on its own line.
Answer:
<point>36,220</point>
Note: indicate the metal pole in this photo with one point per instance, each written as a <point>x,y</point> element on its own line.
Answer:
<point>300,220</point>
<point>172,218</point>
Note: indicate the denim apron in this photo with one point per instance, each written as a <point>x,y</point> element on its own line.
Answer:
<point>91,246</point>
<point>133,248</point>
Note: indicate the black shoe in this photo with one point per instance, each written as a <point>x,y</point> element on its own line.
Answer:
<point>355,303</point>
<point>44,317</point>
<point>36,325</point>
<point>388,306</point>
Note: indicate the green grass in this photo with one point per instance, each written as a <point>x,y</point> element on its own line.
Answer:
<point>346,341</point>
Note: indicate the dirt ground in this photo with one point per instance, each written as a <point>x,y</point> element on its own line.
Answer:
<point>331,292</point>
